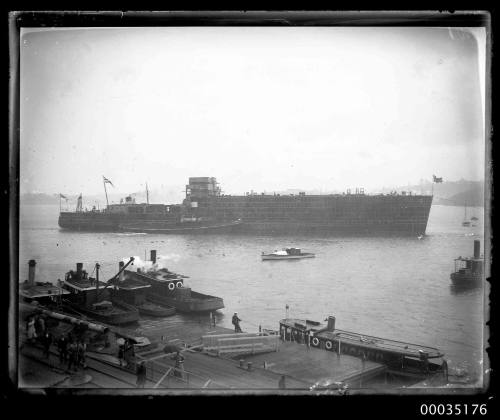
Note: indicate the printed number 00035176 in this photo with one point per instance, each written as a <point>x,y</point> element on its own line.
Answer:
<point>453,409</point>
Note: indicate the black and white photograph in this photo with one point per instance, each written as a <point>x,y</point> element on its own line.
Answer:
<point>228,209</point>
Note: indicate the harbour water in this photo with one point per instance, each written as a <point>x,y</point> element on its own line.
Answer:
<point>392,287</point>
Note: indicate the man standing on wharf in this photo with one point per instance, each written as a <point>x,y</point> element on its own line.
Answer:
<point>236,323</point>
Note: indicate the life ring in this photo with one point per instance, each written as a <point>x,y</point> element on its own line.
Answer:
<point>171,286</point>
<point>328,345</point>
<point>178,284</point>
<point>315,341</point>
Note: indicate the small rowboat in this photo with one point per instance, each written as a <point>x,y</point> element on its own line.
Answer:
<point>287,254</point>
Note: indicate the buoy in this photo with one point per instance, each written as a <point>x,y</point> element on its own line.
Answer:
<point>328,345</point>
<point>171,286</point>
<point>315,341</point>
<point>178,284</point>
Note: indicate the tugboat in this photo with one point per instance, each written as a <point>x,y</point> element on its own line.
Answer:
<point>90,297</point>
<point>405,359</point>
<point>167,288</point>
<point>287,254</point>
<point>132,291</point>
<point>46,294</point>
<point>469,270</point>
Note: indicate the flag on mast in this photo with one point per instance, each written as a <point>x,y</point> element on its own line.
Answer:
<point>436,179</point>
<point>107,181</point>
<point>63,196</point>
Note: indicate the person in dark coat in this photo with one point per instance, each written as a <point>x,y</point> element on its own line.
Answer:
<point>121,351</point>
<point>179,365</point>
<point>62,346</point>
<point>141,375</point>
<point>236,323</point>
<point>46,342</point>
<point>281,383</point>
<point>128,352</point>
<point>81,348</point>
<point>40,327</point>
<point>72,356</point>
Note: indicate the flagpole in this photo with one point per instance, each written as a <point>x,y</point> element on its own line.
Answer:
<point>59,203</point>
<point>105,191</point>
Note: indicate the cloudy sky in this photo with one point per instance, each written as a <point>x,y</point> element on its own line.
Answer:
<point>258,108</point>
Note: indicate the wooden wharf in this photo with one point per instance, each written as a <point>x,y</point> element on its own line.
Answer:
<point>305,367</point>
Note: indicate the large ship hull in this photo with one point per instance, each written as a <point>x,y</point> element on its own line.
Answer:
<point>333,214</point>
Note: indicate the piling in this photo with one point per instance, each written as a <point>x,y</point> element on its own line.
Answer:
<point>477,248</point>
<point>31,272</point>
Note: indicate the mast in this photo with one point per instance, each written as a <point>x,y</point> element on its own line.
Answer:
<point>97,266</point>
<point>147,193</point>
<point>105,191</point>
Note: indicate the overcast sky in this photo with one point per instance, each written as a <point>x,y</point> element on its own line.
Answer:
<point>258,108</point>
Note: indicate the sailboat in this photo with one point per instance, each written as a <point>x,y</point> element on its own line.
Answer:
<point>466,222</point>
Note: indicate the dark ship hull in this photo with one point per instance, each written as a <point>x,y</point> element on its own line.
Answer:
<point>462,279</point>
<point>197,302</point>
<point>152,309</point>
<point>207,210</point>
<point>121,313</point>
<point>169,290</point>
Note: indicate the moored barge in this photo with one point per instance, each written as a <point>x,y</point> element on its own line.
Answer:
<point>406,359</point>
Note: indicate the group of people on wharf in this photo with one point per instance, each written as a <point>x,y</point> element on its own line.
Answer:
<point>71,349</point>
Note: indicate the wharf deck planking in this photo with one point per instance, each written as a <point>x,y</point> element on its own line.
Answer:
<point>314,365</point>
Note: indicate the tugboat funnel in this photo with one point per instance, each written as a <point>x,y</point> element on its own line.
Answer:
<point>331,324</point>
<point>31,272</point>
<point>79,268</point>
<point>153,256</point>
<point>477,248</point>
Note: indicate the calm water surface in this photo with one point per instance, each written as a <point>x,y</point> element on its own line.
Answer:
<point>391,287</point>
